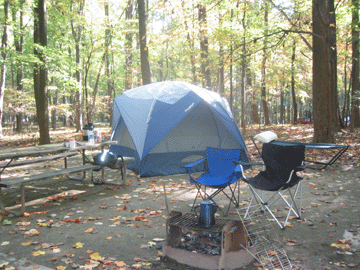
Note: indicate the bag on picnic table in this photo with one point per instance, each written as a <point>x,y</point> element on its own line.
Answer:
<point>108,159</point>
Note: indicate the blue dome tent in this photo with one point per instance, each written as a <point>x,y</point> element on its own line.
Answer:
<point>162,123</point>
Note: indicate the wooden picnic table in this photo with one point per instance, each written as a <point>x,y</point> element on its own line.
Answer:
<point>49,152</point>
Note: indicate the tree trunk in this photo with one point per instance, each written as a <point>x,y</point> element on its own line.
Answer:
<point>355,120</point>
<point>243,85</point>
<point>91,108</point>
<point>144,50</point>
<point>18,43</point>
<point>322,94</point>
<point>244,69</point>
<point>107,61</point>
<point>337,122</point>
<point>263,70</point>
<point>345,109</point>
<point>294,103</point>
<point>221,82</point>
<point>77,34</point>
<point>204,44</point>
<point>3,60</point>
<point>128,48</point>
<point>55,101</point>
<point>40,71</point>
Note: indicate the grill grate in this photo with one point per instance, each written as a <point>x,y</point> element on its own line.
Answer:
<point>190,221</point>
<point>267,248</point>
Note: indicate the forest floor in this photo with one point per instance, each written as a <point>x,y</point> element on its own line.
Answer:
<point>79,225</point>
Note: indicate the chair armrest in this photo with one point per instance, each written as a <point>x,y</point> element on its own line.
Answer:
<point>247,163</point>
<point>189,166</point>
<point>300,168</point>
<point>241,164</point>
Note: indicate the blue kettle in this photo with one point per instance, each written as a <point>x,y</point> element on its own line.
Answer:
<point>207,213</point>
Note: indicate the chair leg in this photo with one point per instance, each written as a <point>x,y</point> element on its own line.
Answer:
<point>291,204</point>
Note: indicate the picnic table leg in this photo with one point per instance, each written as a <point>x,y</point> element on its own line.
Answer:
<point>22,189</point>
<point>83,172</point>
<point>2,207</point>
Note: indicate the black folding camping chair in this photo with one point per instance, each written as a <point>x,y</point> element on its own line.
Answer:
<point>282,163</point>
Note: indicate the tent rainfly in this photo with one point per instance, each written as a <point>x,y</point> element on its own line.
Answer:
<point>165,124</point>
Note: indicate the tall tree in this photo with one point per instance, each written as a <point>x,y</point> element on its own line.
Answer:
<point>294,103</point>
<point>338,122</point>
<point>18,43</point>
<point>191,45</point>
<point>77,29</point>
<point>221,68</point>
<point>244,69</point>
<point>355,84</point>
<point>204,47</point>
<point>4,44</point>
<point>144,50</point>
<point>322,93</point>
<point>40,71</point>
<point>109,79</point>
<point>263,66</point>
<point>128,46</point>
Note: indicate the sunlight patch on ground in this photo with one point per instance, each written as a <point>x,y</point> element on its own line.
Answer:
<point>46,199</point>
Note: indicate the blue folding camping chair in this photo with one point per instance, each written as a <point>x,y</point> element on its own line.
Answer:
<point>221,173</point>
<point>271,137</point>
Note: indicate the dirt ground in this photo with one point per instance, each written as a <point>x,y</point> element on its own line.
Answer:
<point>79,225</point>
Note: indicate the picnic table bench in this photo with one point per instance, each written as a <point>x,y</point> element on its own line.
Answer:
<point>41,154</point>
<point>37,160</point>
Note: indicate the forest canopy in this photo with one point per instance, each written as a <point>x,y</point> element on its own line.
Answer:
<point>256,53</point>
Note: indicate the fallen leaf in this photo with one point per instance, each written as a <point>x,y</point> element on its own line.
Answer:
<point>7,222</point>
<point>96,257</point>
<point>120,263</point>
<point>39,252</point>
<point>78,245</point>
<point>341,246</point>
<point>137,265</point>
<point>272,253</point>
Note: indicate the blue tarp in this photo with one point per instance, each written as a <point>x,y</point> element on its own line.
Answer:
<point>162,123</point>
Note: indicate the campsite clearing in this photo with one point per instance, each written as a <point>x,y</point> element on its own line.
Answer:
<point>73,222</point>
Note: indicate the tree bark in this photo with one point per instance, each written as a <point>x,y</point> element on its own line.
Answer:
<point>18,43</point>
<point>322,93</point>
<point>55,101</point>
<point>128,48</point>
<point>107,61</point>
<point>144,50</point>
<point>4,44</point>
<point>40,71</point>
<point>191,46</point>
<point>337,122</point>
<point>243,73</point>
<point>77,34</point>
<point>204,44</point>
<point>221,68</point>
<point>354,119</point>
<point>294,103</point>
<point>263,70</point>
